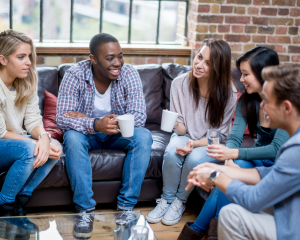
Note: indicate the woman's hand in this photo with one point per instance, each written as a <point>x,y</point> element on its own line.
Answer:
<point>230,163</point>
<point>188,148</point>
<point>42,150</point>
<point>74,114</point>
<point>200,178</point>
<point>222,153</point>
<point>55,150</point>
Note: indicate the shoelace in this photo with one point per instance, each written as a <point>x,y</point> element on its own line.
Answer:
<point>84,221</point>
<point>129,215</point>
<point>174,205</point>
<point>163,204</point>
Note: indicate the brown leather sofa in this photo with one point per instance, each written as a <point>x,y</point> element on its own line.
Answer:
<point>107,164</point>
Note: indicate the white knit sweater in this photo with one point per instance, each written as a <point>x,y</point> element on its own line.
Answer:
<point>12,118</point>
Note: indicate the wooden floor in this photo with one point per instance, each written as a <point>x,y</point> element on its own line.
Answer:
<point>161,231</point>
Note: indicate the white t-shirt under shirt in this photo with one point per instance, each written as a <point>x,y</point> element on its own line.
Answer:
<point>102,103</point>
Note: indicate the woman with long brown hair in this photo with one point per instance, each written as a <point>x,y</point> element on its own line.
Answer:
<point>204,98</point>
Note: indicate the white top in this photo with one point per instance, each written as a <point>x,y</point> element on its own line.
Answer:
<point>12,117</point>
<point>102,105</point>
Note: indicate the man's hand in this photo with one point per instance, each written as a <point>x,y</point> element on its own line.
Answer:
<point>107,125</point>
<point>199,178</point>
<point>188,148</point>
<point>230,163</point>
<point>222,153</point>
<point>74,114</point>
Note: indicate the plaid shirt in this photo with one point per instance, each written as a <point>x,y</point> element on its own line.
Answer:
<point>77,93</point>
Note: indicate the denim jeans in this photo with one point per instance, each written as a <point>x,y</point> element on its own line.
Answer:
<point>77,145</point>
<point>217,199</point>
<point>22,178</point>
<point>176,168</point>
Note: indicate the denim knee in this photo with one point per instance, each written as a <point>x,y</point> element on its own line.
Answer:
<point>143,137</point>
<point>243,163</point>
<point>74,139</point>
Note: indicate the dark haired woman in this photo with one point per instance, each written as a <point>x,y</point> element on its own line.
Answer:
<point>268,141</point>
<point>204,98</point>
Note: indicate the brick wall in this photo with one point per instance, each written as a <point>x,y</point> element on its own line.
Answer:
<point>248,23</point>
<point>56,60</point>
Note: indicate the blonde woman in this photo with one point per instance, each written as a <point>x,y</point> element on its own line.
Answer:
<point>28,158</point>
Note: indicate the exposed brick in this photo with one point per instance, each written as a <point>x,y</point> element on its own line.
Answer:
<point>201,37</point>
<point>181,61</point>
<point>202,28</point>
<point>284,58</point>
<point>236,47</point>
<point>215,9</point>
<point>237,19</point>
<point>152,60</point>
<point>195,45</point>
<point>258,38</point>
<point>235,56</point>
<point>127,60</point>
<point>281,21</point>
<point>40,60</point>
<point>223,28</point>
<point>296,39</point>
<point>267,45</point>
<point>283,11</point>
<point>260,20</point>
<point>297,22</point>
<point>296,58</point>
<point>293,30</point>
<point>239,10</point>
<point>210,19</point>
<point>237,29</point>
<point>261,2</point>
<point>295,12</point>
<point>284,2</point>
<point>250,29</point>
<point>298,3</point>
<point>203,8</point>
<point>253,10</point>
<point>226,9</point>
<point>294,49</point>
<point>138,60</point>
<point>53,61</point>
<point>237,38</point>
<point>247,47</point>
<point>277,39</point>
<point>166,60</point>
<point>81,58</point>
<point>268,11</point>
<point>211,1</point>
<point>239,1</point>
<point>67,60</point>
<point>266,30</point>
<point>280,49</point>
<point>281,30</point>
<point>212,28</point>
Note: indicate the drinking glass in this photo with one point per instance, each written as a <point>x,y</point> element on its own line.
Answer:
<point>139,232</point>
<point>213,137</point>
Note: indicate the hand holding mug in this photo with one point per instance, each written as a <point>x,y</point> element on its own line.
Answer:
<point>107,125</point>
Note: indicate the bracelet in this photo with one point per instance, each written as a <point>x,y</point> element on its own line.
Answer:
<point>95,124</point>
<point>43,133</point>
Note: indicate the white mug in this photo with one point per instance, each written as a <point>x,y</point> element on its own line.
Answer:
<point>168,120</point>
<point>126,124</point>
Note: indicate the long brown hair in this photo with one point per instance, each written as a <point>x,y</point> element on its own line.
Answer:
<point>219,82</point>
<point>25,87</point>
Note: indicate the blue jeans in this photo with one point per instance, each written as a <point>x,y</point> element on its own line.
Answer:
<point>138,148</point>
<point>217,199</point>
<point>22,178</point>
<point>176,168</point>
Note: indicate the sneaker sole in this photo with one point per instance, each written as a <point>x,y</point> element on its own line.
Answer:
<point>153,220</point>
<point>82,235</point>
<point>172,222</point>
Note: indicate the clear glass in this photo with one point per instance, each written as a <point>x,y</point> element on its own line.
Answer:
<point>168,21</point>
<point>86,21</point>
<point>26,17</point>
<point>56,24</point>
<point>4,15</point>
<point>139,232</point>
<point>213,136</point>
<point>116,18</point>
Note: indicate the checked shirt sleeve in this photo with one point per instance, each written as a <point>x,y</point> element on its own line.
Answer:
<point>135,98</point>
<point>68,100</point>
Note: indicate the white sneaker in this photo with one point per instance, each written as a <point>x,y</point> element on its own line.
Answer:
<point>174,213</point>
<point>158,212</point>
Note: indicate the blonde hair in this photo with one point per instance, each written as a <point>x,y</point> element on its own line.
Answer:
<point>25,87</point>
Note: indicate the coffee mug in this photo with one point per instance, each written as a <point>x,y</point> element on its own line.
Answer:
<point>168,120</point>
<point>126,124</point>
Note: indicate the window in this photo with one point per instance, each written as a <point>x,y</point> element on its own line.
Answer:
<point>130,21</point>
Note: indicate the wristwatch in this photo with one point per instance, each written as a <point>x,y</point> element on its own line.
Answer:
<point>214,174</point>
<point>48,134</point>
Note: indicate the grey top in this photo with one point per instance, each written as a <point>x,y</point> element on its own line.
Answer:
<point>193,119</point>
<point>266,144</point>
<point>279,187</point>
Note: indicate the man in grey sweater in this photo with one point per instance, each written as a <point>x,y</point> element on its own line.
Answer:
<point>265,200</point>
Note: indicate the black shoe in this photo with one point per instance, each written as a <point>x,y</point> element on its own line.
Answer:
<point>20,207</point>
<point>7,209</point>
<point>23,222</point>
<point>83,228</point>
<point>16,233</point>
<point>125,215</point>
<point>188,233</point>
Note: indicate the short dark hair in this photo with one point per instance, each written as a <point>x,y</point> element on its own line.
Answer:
<point>98,40</point>
<point>286,80</point>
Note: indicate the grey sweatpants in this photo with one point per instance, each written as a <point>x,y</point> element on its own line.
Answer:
<point>235,222</point>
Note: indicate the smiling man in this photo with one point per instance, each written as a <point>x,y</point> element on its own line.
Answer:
<point>266,199</point>
<point>92,94</point>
